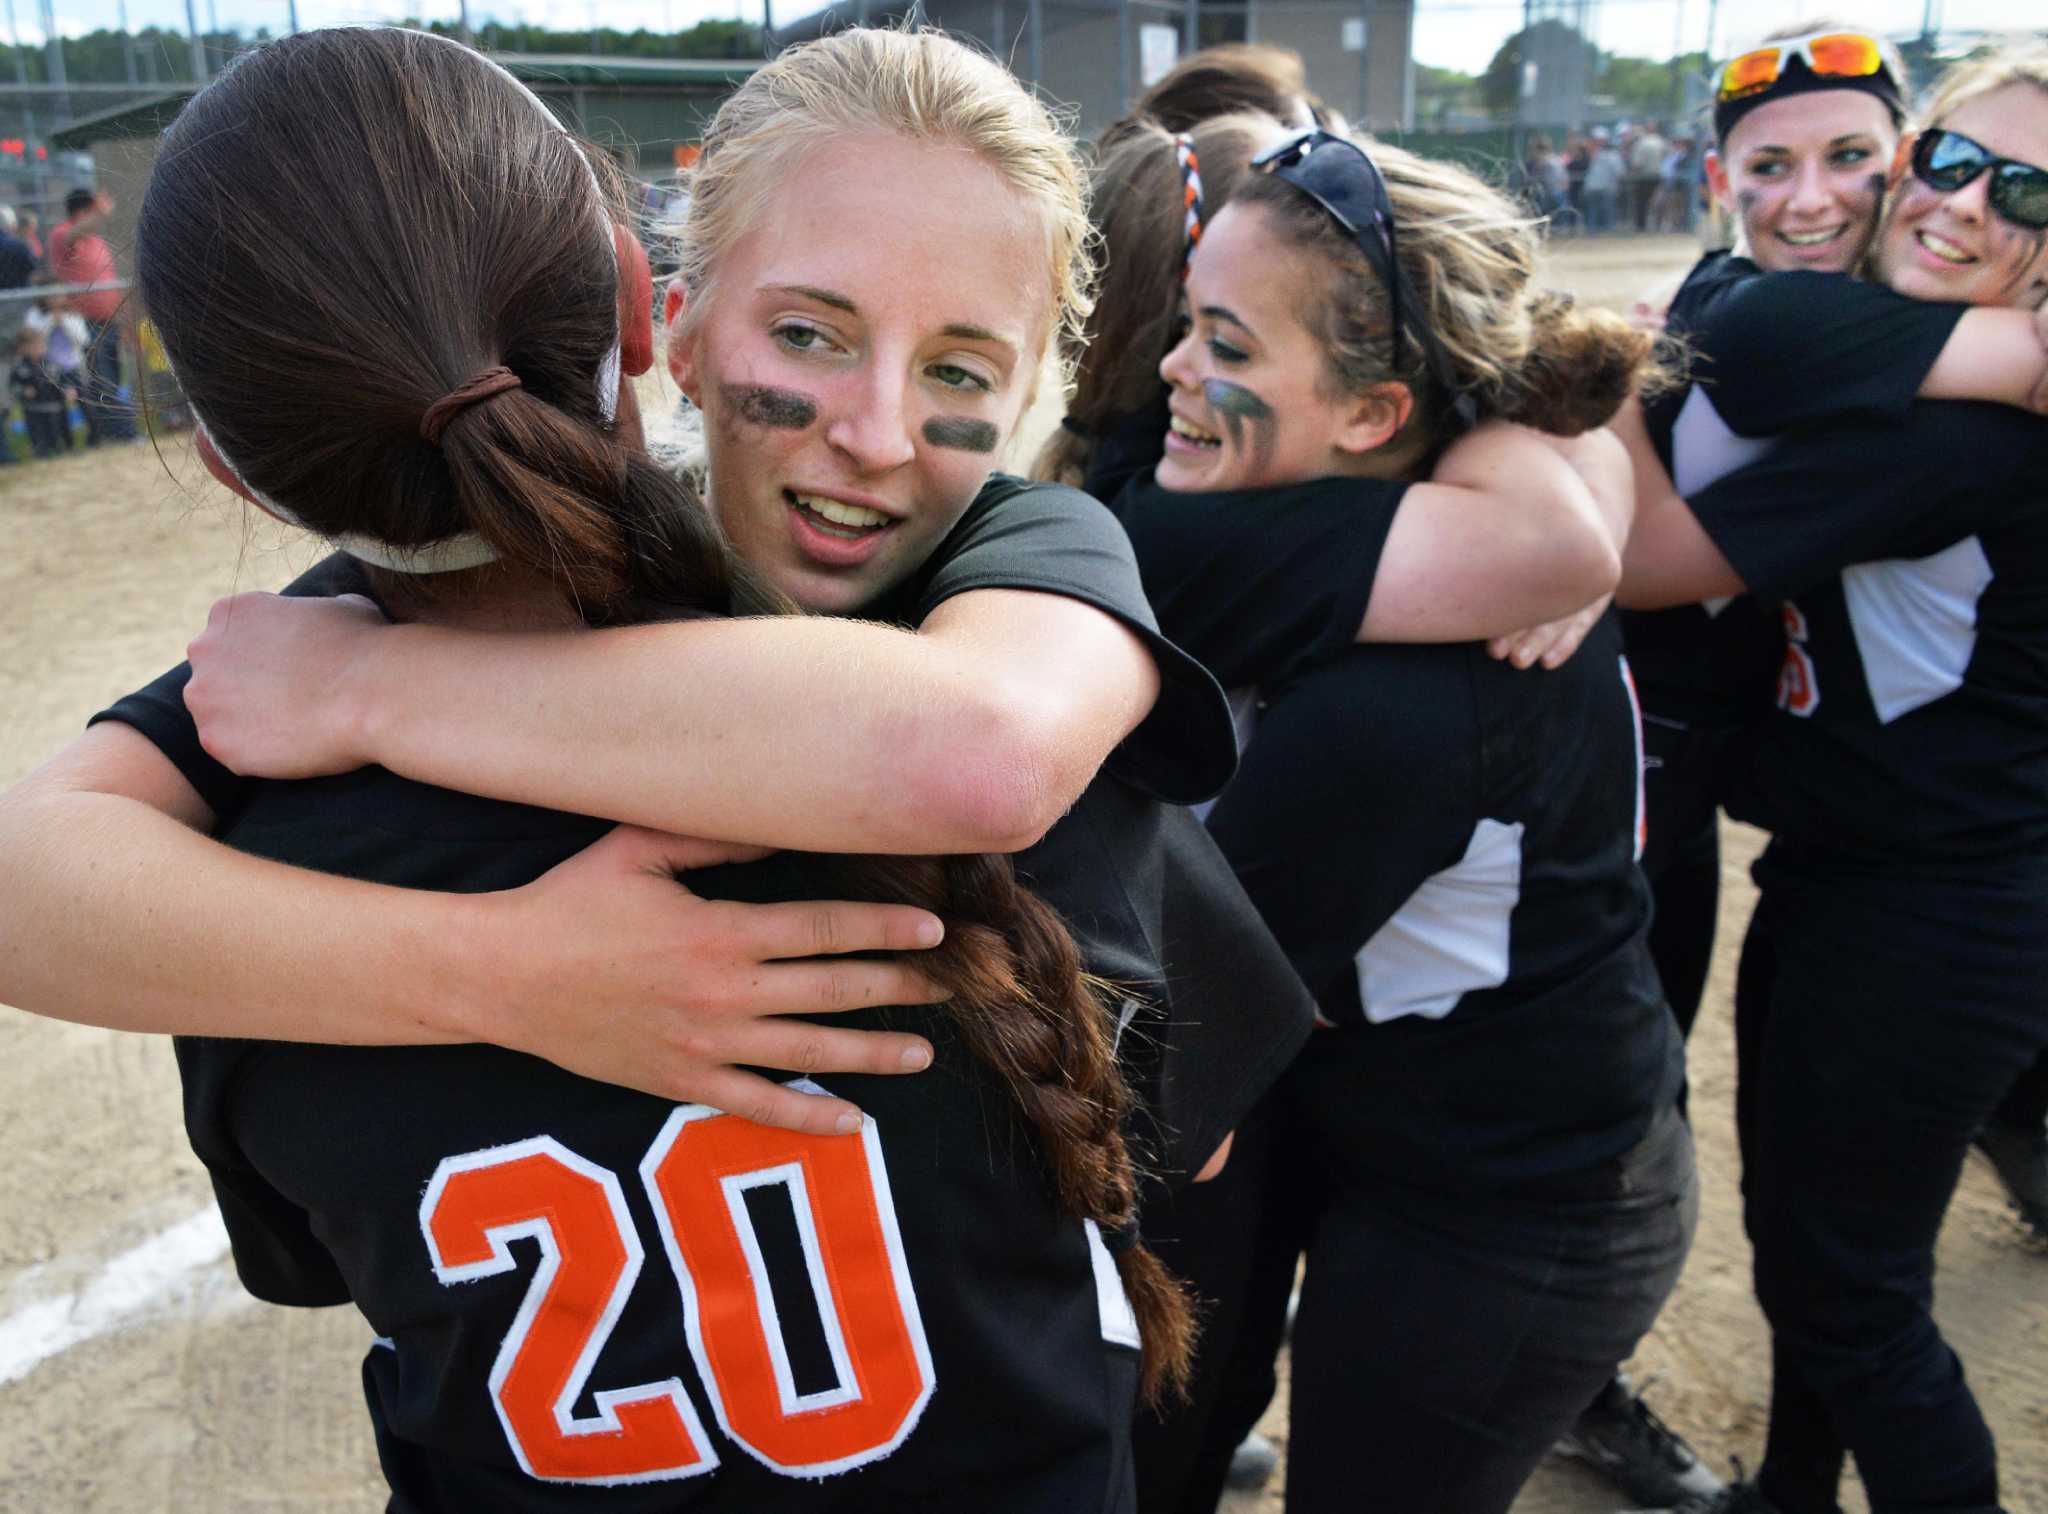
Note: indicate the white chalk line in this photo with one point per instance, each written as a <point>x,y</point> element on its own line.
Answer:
<point>133,1284</point>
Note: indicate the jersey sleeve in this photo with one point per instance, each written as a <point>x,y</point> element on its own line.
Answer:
<point>1864,491</point>
<point>1237,1011</point>
<point>1786,350</point>
<point>1361,782</point>
<point>157,709</point>
<point>277,1256</point>
<point>1055,540</point>
<point>1260,584</point>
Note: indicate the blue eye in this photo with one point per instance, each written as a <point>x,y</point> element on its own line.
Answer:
<point>1849,156</point>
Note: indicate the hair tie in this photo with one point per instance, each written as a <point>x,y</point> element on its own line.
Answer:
<point>1191,193</point>
<point>479,387</point>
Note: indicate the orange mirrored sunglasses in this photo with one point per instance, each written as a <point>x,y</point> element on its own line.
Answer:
<point>1831,55</point>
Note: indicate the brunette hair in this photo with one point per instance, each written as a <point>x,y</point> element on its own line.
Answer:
<point>345,226</point>
<point>1141,217</point>
<point>918,84</point>
<point>1522,353</point>
<point>1219,81</point>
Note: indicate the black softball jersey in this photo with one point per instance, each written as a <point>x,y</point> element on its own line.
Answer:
<point>1445,846</point>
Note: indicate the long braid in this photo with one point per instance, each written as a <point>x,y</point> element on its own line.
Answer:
<point>317,375</point>
<point>1025,1009</point>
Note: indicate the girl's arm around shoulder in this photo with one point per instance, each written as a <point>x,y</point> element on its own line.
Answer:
<point>117,910</point>
<point>973,733</point>
<point>1514,529</point>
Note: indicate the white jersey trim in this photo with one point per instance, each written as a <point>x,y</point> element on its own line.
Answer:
<point>1916,624</point>
<point>1112,1304</point>
<point>1451,937</point>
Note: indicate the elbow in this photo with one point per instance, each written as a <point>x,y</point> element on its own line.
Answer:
<point>1003,778</point>
<point>1589,568</point>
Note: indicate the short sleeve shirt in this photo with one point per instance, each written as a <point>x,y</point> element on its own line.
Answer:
<point>1443,845</point>
<point>1768,354</point>
<point>1213,1010</point>
<point>587,1295</point>
<point>1909,560</point>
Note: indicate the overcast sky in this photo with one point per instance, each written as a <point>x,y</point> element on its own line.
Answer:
<point>1459,34</point>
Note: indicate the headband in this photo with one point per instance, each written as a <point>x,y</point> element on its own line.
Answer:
<point>1191,195</point>
<point>1795,78</point>
<point>464,549</point>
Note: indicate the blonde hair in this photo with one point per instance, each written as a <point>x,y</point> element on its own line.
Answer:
<point>2019,64</point>
<point>1470,254</point>
<point>919,84</point>
<point>1142,217</point>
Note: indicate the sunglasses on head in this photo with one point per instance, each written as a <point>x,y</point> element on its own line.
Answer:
<point>1342,178</point>
<point>1831,55</point>
<point>1948,160</point>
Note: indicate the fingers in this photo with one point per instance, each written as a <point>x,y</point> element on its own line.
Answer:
<point>823,988</point>
<point>815,1050</point>
<point>659,851</point>
<point>826,928</point>
<point>753,1097</point>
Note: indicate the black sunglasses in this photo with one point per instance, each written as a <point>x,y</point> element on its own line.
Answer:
<point>1341,176</point>
<point>1948,160</point>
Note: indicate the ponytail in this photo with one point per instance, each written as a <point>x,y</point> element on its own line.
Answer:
<point>401,329</point>
<point>1027,1013</point>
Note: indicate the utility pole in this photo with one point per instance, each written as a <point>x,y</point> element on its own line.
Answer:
<point>53,49</point>
<point>127,41</point>
<point>200,72</point>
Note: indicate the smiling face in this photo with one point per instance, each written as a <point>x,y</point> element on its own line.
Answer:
<point>1249,404</point>
<point>869,347</point>
<point>1955,247</point>
<point>1805,175</point>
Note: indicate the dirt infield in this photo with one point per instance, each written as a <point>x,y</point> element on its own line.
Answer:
<point>135,1375</point>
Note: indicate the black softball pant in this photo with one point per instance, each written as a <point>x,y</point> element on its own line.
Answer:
<point>1682,856</point>
<point>1878,1022</point>
<point>1444,1342</point>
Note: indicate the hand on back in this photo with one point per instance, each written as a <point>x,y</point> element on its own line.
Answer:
<point>269,682</point>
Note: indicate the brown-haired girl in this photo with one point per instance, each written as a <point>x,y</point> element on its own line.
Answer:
<point>885,232</point>
<point>1481,1156</point>
<point>574,1285</point>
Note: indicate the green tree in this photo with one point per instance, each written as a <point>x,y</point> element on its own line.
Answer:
<point>1500,86</point>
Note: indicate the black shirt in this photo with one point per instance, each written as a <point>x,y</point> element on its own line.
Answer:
<point>1768,354</point>
<point>1214,1010</point>
<point>1910,726</point>
<point>1444,845</point>
<point>34,386</point>
<point>997,1370</point>
<point>896,1319</point>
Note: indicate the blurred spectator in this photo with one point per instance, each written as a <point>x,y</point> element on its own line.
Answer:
<point>44,400</point>
<point>1672,209</point>
<point>31,231</point>
<point>80,255</point>
<point>1646,153</point>
<point>1604,175</point>
<point>1578,156</point>
<point>65,331</point>
<point>1543,179</point>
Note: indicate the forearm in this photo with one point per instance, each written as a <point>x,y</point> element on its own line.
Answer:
<point>113,914</point>
<point>1995,355</point>
<point>816,733</point>
<point>1506,534</point>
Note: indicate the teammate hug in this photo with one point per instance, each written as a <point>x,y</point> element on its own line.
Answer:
<point>460,1046</point>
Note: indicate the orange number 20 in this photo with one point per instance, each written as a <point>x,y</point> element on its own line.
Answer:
<point>697,1175</point>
